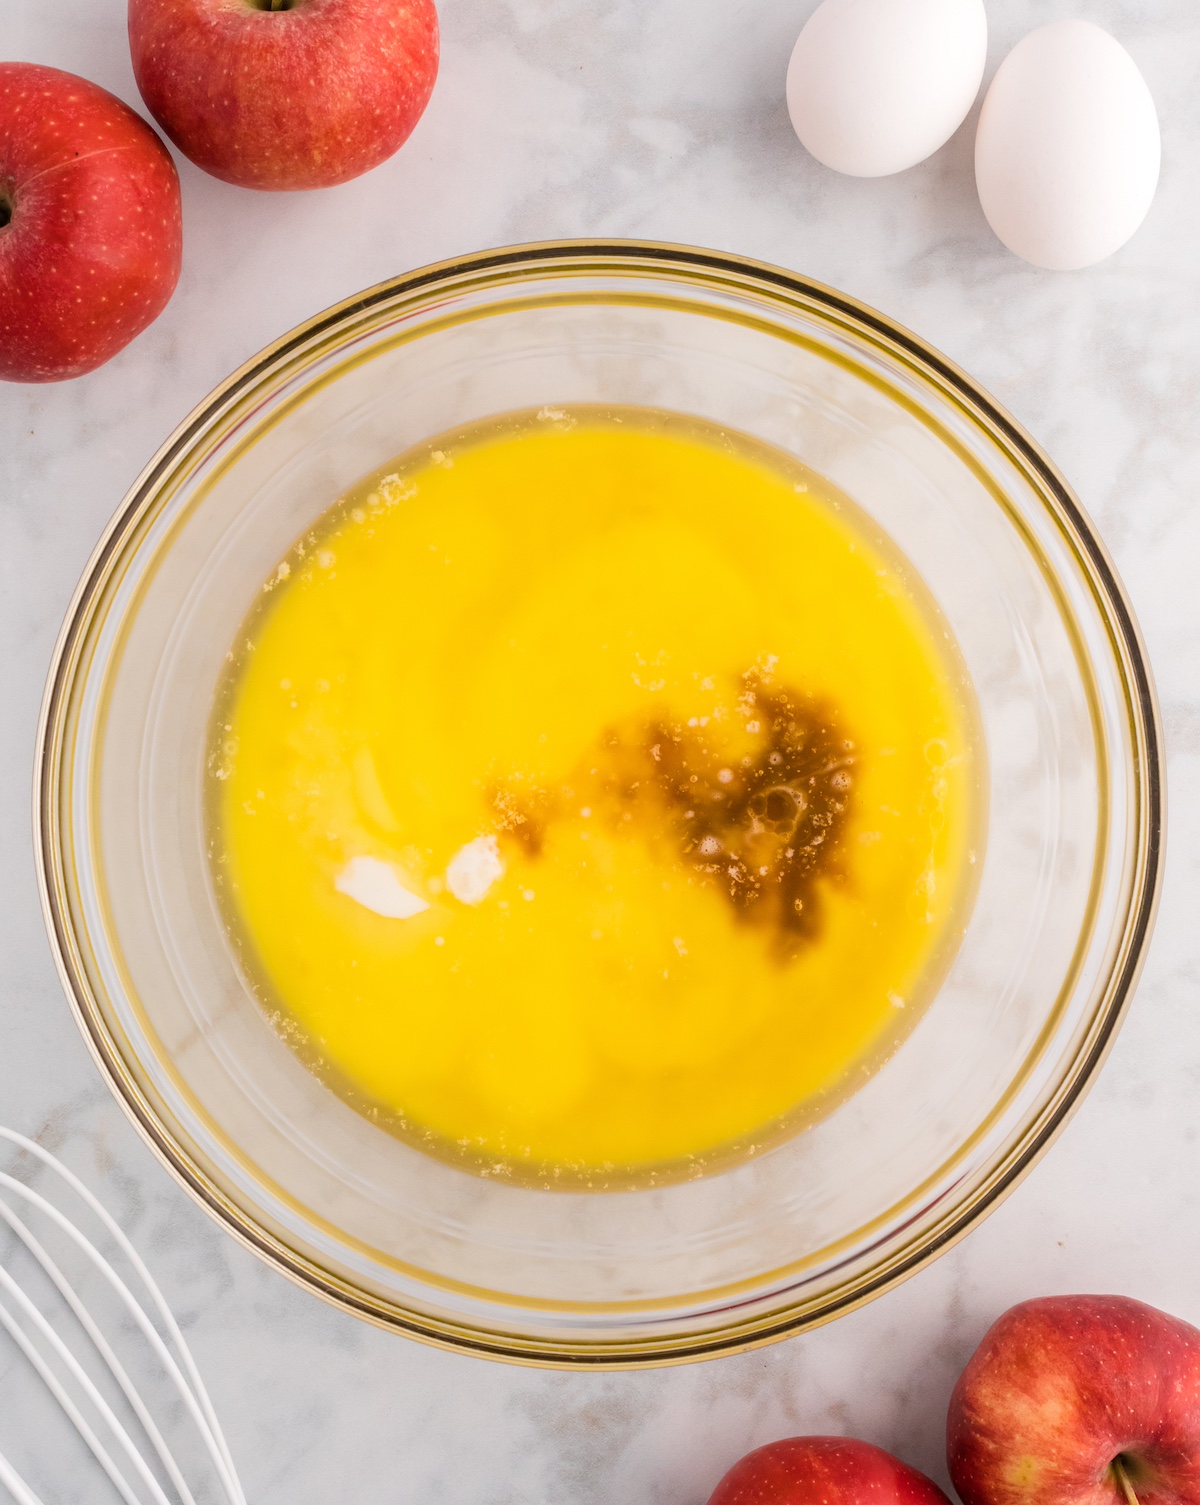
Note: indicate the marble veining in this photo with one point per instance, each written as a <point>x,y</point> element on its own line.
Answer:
<point>664,120</point>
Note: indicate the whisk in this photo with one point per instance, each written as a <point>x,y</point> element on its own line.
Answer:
<point>143,1473</point>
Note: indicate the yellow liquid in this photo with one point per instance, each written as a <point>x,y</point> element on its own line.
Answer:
<point>593,797</point>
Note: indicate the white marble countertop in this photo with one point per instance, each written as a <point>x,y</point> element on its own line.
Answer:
<point>660,119</point>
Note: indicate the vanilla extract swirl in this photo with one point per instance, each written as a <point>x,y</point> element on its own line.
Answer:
<point>764,829</point>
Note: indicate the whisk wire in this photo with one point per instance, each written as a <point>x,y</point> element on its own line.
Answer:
<point>58,1391</point>
<point>149,1332</point>
<point>116,1369</point>
<point>190,1389</point>
<point>229,1474</point>
<point>15,1485</point>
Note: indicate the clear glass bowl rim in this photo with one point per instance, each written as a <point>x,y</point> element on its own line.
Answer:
<point>508,266</point>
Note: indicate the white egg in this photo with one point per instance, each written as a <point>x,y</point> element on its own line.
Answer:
<point>875,86</point>
<point>1067,154</point>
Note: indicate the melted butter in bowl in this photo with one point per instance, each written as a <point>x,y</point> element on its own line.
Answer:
<point>594,799</point>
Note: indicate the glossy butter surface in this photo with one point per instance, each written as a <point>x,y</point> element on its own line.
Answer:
<point>593,797</point>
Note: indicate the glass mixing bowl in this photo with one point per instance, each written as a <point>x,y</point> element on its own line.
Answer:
<point>901,1168</point>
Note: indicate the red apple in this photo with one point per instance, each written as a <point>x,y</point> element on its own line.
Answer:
<point>285,93</point>
<point>1079,1400</point>
<point>824,1471</point>
<point>90,232</point>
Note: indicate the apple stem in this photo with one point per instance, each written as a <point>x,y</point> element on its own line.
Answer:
<point>5,211</point>
<point>1123,1481</point>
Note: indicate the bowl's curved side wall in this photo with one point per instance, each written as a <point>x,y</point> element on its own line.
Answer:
<point>777,1306</point>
